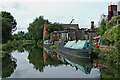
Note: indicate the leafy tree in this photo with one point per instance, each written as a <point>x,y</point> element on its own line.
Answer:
<point>17,37</point>
<point>8,25</point>
<point>54,27</point>
<point>6,31</point>
<point>10,19</point>
<point>21,33</point>
<point>102,25</point>
<point>112,35</point>
<point>112,22</point>
<point>27,36</point>
<point>36,28</point>
<point>8,66</point>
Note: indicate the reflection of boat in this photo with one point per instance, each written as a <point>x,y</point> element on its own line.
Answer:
<point>85,69</point>
<point>79,48</point>
<point>82,64</point>
<point>81,61</point>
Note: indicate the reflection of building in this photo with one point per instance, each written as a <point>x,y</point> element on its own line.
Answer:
<point>44,56</point>
<point>44,31</point>
<point>53,55</point>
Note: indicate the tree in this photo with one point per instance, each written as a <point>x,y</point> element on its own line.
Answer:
<point>27,36</point>
<point>102,25</point>
<point>54,27</point>
<point>10,19</point>
<point>6,31</point>
<point>112,34</point>
<point>36,28</point>
<point>8,25</point>
<point>112,22</point>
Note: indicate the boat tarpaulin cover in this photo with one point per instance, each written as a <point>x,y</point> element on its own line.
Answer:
<point>70,43</point>
<point>81,44</point>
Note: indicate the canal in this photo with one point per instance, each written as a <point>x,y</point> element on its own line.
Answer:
<point>33,62</point>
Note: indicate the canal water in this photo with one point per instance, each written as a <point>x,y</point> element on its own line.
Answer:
<point>34,62</point>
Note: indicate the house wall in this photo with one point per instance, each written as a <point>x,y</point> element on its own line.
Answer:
<point>112,11</point>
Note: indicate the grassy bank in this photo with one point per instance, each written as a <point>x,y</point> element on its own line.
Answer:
<point>13,45</point>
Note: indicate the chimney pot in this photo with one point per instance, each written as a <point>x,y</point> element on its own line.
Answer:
<point>92,25</point>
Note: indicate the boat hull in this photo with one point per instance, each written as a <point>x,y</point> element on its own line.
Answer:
<point>84,53</point>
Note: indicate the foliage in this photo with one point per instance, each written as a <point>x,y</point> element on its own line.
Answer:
<point>8,25</point>
<point>112,34</point>
<point>111,71</point>
<point>47,37</point>
<point>28,42</point>
<point>53,47</point>
<point>27,36</point>
<point>83,37</point>
<point>6,31</point>
<point>21,33</point>
<point>36,28</point>
<point>112,22</point>
<point>8,66</point>
<point>17,37</point>
<point>37,58</point>
<point>96,51</point>
<point>54,27</point>
<point>102,25</point>
<point>10,19</point>
<point>40,43</point>
<point>11,44</point>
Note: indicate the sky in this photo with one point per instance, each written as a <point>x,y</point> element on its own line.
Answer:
<point>61,11</point>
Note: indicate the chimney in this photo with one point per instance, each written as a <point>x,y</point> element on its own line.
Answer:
<point>92,25</point>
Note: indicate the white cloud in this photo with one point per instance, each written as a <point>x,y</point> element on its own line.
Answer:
<point>62,12</point>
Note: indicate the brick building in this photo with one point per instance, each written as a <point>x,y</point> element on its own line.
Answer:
<point>56,35</point>
<point>113,10</point>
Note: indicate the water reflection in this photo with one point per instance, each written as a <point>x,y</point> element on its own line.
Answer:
<point>8,65</point>
<point>33,62</point>
<point>82,64</point>
<point>109,70</point>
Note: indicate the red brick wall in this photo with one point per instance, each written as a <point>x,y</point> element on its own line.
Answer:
<point>112,8</point>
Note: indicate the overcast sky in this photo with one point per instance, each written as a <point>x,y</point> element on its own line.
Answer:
<point>56,11</point>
